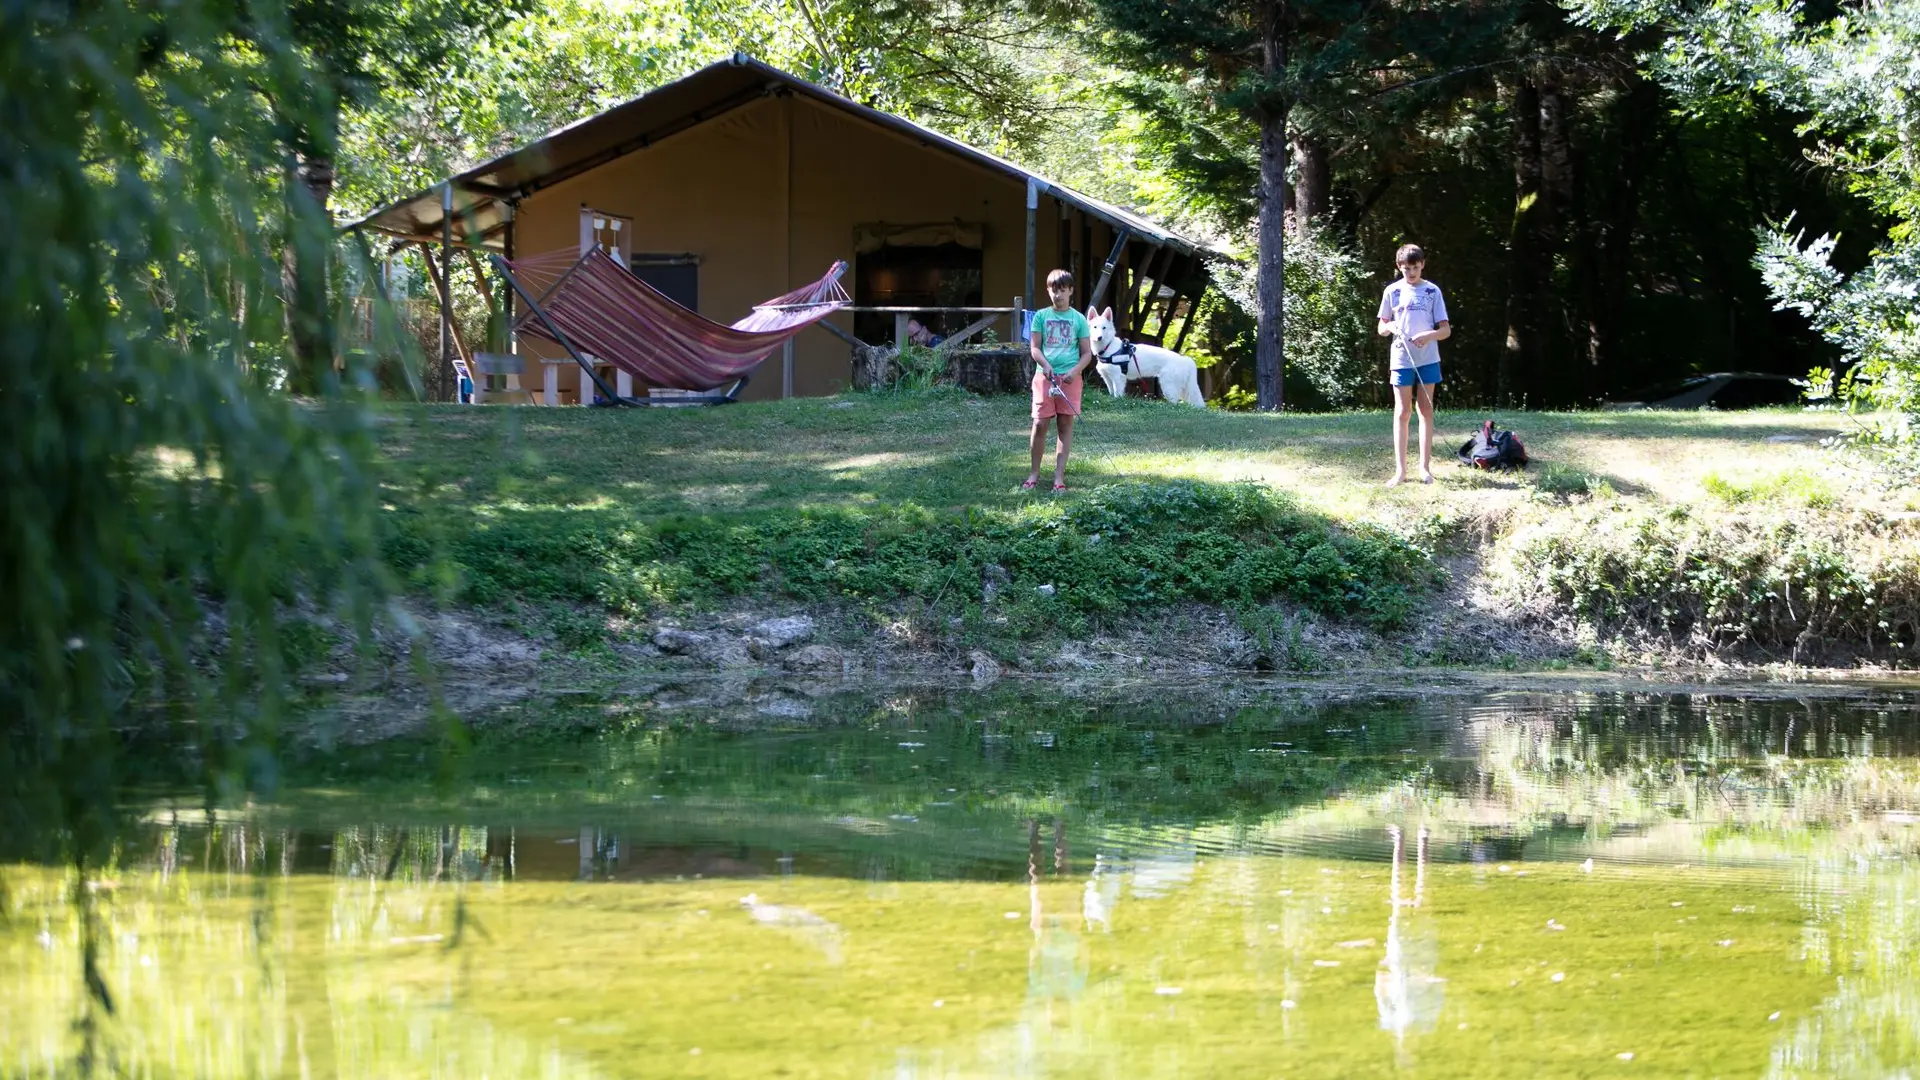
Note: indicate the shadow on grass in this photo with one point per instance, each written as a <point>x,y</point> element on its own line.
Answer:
<point>889,527</point>
<point>877,497</point>
<point>807,455</point>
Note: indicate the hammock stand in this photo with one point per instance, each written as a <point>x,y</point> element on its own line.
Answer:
<point>597,307</point>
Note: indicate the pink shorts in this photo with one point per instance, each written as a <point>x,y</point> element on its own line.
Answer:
<point>1046,405</point>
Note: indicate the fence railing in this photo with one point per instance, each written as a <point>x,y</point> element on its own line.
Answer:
<point>986,317</point>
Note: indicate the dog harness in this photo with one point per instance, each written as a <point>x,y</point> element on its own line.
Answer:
<point>1126,350</point>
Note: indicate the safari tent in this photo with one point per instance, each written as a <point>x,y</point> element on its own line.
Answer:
<point>740,182</point>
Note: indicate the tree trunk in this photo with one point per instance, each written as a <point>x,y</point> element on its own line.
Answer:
<point>1530,261</point>
<point>309,236</point>
<point>1556,150</point>
<point>1556,382</point>
<point>1312,201</point>
<point>1269,354</point>
<point>1603,258</point>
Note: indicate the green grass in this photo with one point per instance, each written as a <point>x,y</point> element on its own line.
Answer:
<point>882,500</point>
<point>1792,487</point>
<point>950,451</point>
<point>867,500</point>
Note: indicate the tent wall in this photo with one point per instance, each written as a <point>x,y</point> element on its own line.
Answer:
<point>768,196</point>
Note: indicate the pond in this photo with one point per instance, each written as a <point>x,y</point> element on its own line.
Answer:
<point>1013,883</point>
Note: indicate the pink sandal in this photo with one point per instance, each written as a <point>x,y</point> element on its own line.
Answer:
<point>1027,485</point>
<point>1058,488</point>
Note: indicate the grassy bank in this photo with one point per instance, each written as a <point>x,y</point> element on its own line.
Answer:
<point>1702,531</point>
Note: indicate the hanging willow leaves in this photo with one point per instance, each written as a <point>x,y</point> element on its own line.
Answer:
<point>165,505</point>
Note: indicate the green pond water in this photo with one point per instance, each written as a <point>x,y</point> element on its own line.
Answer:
<point>931,884</point>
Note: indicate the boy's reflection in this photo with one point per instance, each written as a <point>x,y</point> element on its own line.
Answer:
<point>1405,987</point>
<point>1056,966</point>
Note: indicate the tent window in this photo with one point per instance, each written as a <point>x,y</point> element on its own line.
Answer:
<point>936,276</point>
<point>678,276</point>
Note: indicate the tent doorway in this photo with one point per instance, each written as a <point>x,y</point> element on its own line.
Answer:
<point>931,276</point>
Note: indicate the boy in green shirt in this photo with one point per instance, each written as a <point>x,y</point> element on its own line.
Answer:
<point>1061,344</point>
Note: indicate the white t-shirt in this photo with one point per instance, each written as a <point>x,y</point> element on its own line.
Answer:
<point>1413,309</point>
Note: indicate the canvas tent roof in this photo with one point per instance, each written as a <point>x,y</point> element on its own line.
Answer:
<point>479,196</point>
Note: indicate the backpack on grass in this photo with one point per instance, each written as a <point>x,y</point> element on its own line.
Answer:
<point>1493,450</point>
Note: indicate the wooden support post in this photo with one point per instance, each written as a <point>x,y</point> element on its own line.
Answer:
<point>1033,232</point>
<point>1064,241</point>
<point>512,344</point>
<point>1083,256</point>
<point>900,331</point>
<point>1193,309</point>
<point>512,209</point>
<point>786,369</point>
<point>1155,268</point>
<point>1017,322</point>
<point>550,384</point>
<point>444,287</point>
<point>1106,272</point>
<point>1175,278</point>
<point>446,294</point>
<point>623,384</point>
<point>559,335</point>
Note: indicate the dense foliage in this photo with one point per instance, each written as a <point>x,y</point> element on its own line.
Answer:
<point>1054,567</point>
<point>1851,76</point>
<point>1590,215</point>
<point>1790,585</point>
<point>164,503</point>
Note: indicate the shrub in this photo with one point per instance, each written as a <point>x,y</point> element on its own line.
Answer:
<point>1559,481</point>
<point>1794,486</point>
<point>920,367</point>
<point>1771,580</point>
<point>1330,306</point>
<point>1122,546</point>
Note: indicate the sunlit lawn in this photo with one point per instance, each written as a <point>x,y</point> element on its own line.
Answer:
<point>954,451</point>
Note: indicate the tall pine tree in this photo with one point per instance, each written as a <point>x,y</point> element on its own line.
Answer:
<point>1260,59</point>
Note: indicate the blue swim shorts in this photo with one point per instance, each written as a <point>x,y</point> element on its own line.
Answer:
<point>1428,375</point>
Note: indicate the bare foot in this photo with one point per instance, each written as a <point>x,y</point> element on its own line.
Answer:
<point>1426,477</point>
<point>1398,479</point>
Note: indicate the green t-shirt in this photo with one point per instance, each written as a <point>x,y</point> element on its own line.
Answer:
<point>1061,333</point>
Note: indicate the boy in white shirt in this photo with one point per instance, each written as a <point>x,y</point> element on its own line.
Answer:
<point>1414,315</point>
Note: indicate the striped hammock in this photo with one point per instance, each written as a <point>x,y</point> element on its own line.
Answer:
<point>609,314</point>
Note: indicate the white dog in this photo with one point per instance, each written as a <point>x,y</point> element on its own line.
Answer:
<point>1118,361</point>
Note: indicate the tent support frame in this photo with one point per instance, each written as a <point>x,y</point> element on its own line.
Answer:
<point>559,335</point>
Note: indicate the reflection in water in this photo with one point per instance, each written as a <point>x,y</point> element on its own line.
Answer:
<point>1863,933</point>
<point>822,934</point>
<point>1706,884</point>
<point>1102,893</point>
<point>1406,989</point>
